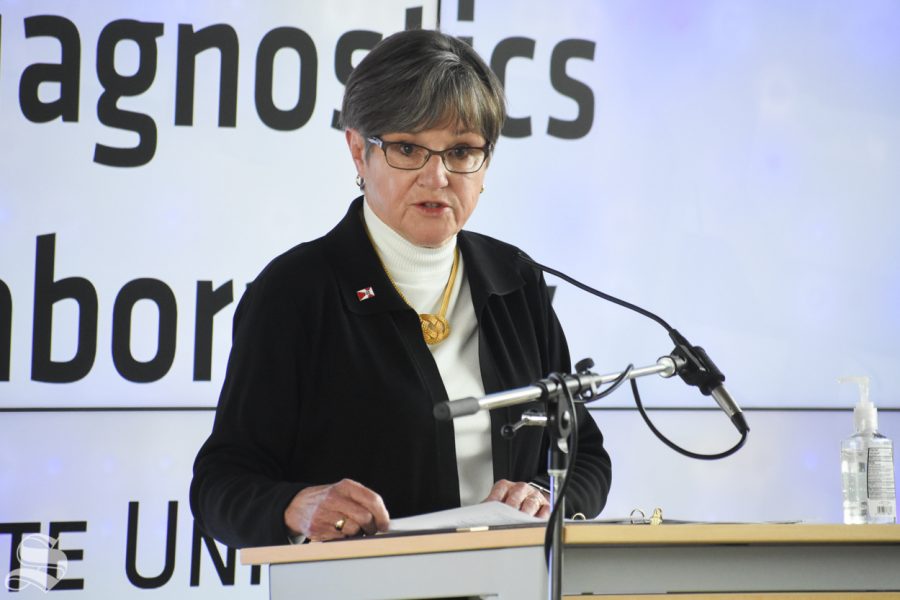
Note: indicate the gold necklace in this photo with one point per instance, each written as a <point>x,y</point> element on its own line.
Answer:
<point>435,328</point>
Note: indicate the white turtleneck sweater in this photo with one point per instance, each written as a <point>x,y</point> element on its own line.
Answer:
<point>422,274</point>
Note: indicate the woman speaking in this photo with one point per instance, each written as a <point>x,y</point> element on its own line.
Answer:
<point>343,345</point>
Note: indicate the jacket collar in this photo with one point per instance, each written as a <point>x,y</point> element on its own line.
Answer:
<point>490,268</point>
<point>357,268</point>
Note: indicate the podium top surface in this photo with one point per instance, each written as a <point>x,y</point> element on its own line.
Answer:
<point>579,534</point>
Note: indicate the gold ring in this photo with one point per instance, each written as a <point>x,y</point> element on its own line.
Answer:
<point>339,524</point>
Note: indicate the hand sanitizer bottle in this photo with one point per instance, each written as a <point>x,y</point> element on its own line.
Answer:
<point>867,465</point>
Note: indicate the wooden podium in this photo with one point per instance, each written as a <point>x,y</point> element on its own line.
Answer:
<point>633,562</point>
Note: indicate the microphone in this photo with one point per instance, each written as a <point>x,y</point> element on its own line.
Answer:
<point>698,369</point>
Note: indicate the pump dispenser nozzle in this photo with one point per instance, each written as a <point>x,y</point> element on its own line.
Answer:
<point>865,416</point>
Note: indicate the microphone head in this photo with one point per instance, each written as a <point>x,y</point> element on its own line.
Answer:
<point>731,408</point>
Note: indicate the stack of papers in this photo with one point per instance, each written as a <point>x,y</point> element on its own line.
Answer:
<point>486,514</point>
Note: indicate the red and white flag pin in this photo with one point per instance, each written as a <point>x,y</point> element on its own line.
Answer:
<point>365,293</point>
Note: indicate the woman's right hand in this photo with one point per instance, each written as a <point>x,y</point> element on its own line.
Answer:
<point>342,509</point>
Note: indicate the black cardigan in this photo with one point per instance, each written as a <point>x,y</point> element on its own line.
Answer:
<point>321,386</point>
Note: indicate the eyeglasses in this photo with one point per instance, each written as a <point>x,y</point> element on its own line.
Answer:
<point>411,157</point>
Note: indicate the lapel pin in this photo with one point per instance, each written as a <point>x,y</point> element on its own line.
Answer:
<point>365,293</point>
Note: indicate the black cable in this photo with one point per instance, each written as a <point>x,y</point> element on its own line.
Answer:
<point>698,369</point>
<point>613,386</point>
<point>673,445</point>
<point>573,454</point>
<point>591,290</point>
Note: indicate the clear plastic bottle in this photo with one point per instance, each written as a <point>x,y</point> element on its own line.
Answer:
<point>867,466</point>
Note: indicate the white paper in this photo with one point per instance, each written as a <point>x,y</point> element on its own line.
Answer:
<point>486,514</point>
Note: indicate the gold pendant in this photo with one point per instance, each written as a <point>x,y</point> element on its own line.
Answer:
<point>435,328</point>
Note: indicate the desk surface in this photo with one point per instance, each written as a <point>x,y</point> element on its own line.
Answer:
<point>580,534</point>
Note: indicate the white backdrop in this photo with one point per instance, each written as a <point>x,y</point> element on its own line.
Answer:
<point>731,166</point>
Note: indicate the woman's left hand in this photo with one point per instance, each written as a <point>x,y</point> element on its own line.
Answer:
<point>521,496</point>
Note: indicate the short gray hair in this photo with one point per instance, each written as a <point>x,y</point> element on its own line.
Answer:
<point>422,79</point>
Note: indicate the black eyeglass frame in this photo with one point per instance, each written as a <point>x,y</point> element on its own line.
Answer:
<point>377,141</point>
